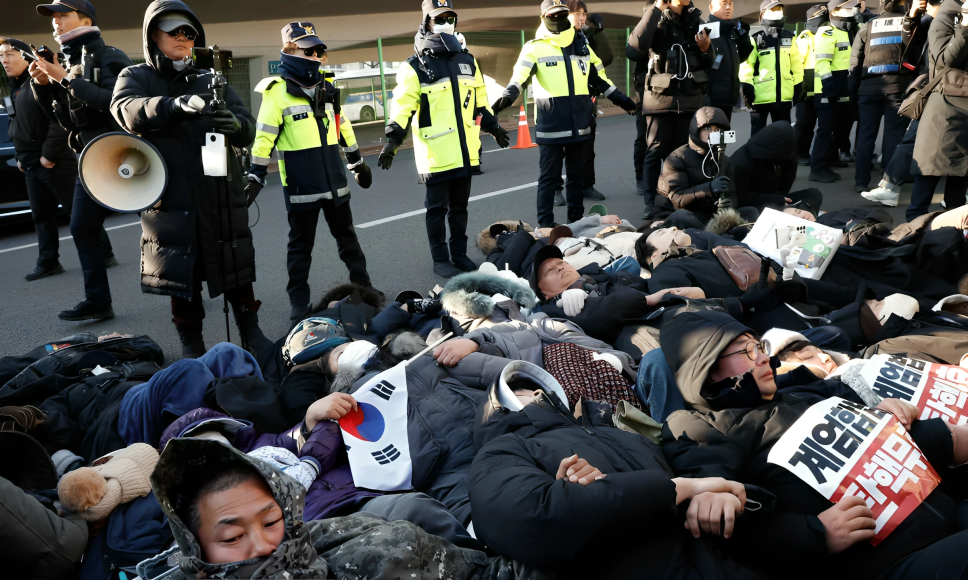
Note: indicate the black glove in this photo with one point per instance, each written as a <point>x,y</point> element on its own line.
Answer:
<point>227,123</point>
<point>723,203</point>
<point>252,190</point>
<point>386,156</point>
<point>424,306</point>
<point>721,185</point>
<point>501,104</point>
<point>797,93</point>
<point>628,105</point>
<point>829,89</point>
<point>749,93</point>
<point>180,109</point>
<point>502,137</point>
<point>364,177</point>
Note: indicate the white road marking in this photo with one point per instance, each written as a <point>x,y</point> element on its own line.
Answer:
<point>34,245</point>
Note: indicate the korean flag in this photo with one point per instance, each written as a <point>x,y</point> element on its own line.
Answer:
<point>376,435</point>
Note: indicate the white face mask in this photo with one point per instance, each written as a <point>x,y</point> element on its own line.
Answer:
<point>444,28</point>
<point>354,356</point>
<point>773,14</point>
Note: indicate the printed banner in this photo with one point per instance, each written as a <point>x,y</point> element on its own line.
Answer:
<point>812,246</point>
<point>936,390</point>
<point>376,435</point>
<point>842,448</point>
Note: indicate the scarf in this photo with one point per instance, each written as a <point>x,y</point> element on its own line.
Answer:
<point>429,43</point>
<point>302,71</point>
<point>72,41</point>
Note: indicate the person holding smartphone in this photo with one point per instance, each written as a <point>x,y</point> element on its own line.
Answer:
<point>733,47</point>
<point>77,98</point>
<point>199,231</point>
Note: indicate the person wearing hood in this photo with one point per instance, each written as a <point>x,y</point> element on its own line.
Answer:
<point>43,155</point>
<point>555,492</point>
<point>772,75</point>
<point>884,61</point>
<point>567,73</point>
<point>672,61</point>
<point>78,98</point>
<point>199,231</point>
<point>691,178</point>
<point>442,87</point>
<point>300,117</point>
<point>732,420</point>
<point>732,48</point>
<point>236,516</point>
<point>832,96</point>
<point>806,110</point>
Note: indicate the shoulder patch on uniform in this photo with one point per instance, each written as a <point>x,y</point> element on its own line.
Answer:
<point>828,32</point>
<point>265,83</point>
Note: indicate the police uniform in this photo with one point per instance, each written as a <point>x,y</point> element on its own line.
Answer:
<point>300,118</point>
<point>831,98</point>
<point>440,92</point>
<point>772,73</point>
<point>80,104</point>
<point>566,72</point>
<point>882,67</point>
<point>806,111</point>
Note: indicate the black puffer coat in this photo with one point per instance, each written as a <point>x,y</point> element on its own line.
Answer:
<point>688,172</point>
<point>194,218</point>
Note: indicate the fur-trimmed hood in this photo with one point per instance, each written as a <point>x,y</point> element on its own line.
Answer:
<point>486,241</point>
<point>471,294</point>
<point>724,221</point>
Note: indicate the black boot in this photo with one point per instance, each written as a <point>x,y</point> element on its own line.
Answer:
<point>193,345</point>
<point>86,310</point>
<point>248,324</point>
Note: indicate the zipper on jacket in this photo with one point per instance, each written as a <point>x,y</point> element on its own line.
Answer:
<point>569,417</point>
<point>458,116</point>
<point>467,101</point>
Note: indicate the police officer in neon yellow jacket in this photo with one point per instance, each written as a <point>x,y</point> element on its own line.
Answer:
<point>440,92</point>
<point>567,72</point>
<point>772,73</point>
<point>299,117</point>
<point>806,111</point>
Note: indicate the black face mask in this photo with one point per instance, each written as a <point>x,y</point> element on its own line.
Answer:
<point>814,24</point>
<point>556,23</point>
<point>845,24</point>
<point>774,23</point>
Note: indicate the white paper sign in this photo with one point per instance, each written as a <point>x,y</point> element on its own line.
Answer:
<point>812,246</point>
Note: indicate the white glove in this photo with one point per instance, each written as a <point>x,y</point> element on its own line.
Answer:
<point>572,301</point>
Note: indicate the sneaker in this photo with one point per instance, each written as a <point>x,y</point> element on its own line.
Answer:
<point>846,157</point>
<point>882,195</point>
<point>463,263</point>
<point>592,193</point>
<point>86,310</point>
<point>110,261</point>
<point>649,211</point>
<point>445,269</point>
<point>823,176</point>
<point>44,271</point>
<point>559,198</point>
<point>805,160</point>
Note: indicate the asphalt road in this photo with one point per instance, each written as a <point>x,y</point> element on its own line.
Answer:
<point>389,218</point>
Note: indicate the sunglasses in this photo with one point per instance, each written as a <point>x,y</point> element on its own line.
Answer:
<point>188,32</point>
<point>317,50</point>
<point>445,20</point>
<point>753,350</point>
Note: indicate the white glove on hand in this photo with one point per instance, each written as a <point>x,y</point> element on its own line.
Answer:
<point>572,301</point>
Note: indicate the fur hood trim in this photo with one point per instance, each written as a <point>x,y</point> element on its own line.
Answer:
<point>470,295</point>
<point>486,242</point>
<point>724,221</point>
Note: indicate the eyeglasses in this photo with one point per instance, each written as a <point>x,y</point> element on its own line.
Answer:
<point>752,350</point>
<point>188,32</point>
<point>441,20</point>
<point>317,50</point>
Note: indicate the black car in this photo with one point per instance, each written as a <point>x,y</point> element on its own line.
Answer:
<point>13,188</point>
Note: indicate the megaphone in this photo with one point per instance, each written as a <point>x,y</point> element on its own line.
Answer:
<point>123,172</point>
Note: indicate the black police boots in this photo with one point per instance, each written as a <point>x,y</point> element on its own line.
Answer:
<point>86,310</point>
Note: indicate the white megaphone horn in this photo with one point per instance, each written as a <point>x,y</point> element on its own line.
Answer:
<point>123,172</point>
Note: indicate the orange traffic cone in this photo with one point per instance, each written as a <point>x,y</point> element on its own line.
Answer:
<point>524,133</point>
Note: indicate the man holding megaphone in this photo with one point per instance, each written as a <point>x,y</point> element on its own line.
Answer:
<point>199,228</point>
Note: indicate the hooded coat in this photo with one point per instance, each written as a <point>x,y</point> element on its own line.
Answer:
<point>351,547</point>
<point>624,526</point>
<point>765,167</point>
<point>688,172</point>
<point>200,218</point>
<point>729,431</point>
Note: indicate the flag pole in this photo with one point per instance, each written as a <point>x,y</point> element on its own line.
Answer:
<point>428,349</point>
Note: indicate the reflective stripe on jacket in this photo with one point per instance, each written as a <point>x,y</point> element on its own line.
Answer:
<point>762,67</point>
<point>832,60</point>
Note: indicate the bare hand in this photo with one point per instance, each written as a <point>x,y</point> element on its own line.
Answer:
<point>578,471</point>
<point>334,406</point>
<point>451,352</point>
<point>20,167</point>
<point>906,413</point>
<point>713,513</point>
<point>47,163</point>
<point>918,7</point>
<point>611,220</point>
<point>38,74</point>
<point>788,200</point>
<point>687,488</point>
<point>702,39</point>
<point>849,521</point>
<point>690,292</point>
<point>54,71</point>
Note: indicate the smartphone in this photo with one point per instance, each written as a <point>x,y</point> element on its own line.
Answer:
<point>46,54</point>
<point>204,58</point>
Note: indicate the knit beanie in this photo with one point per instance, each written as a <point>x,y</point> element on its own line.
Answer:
<point>117,478</point>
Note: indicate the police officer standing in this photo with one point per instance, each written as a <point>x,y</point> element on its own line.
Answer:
<point>49,165</point>
<point>300,117</point>
<point>832,97</point>
<point>79,98</point>
<point>732,48</point>
<point>883,63</point>
<point>441,88</point>
<point>566,72</point>
<point>772,74</point>
<point>806,110</point>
